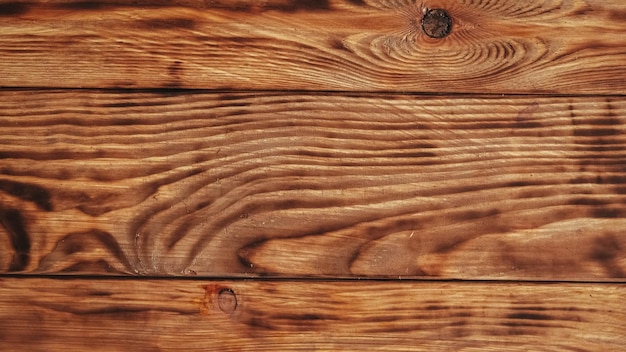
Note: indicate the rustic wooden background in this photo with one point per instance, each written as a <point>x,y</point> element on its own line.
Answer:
<point>312,175</point>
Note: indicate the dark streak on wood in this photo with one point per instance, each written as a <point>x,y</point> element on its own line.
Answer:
<point>100,293</point>
<point>17,8</point>
<point>82,5</point>
<point>529,316</point>
<point>14,223</point>
<point>359,3</point>
<point>167,23</point>
<point>13,8</point>
<point>28,192</point>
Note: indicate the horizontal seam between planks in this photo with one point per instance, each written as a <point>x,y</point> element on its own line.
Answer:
<point>617,282</point>
<point>304,92</point>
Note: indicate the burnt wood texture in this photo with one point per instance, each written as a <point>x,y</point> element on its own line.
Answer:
<point>148,315</point>
<point>266,175</point>
<point>313,184</point>
<point>504,46</point>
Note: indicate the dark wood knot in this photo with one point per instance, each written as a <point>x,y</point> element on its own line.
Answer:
<point>436,23</point>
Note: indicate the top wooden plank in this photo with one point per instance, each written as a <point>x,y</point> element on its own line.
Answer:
<point>505,46</point>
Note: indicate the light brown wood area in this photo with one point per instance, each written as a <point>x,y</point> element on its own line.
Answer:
<point>313,185</point>
<point>505,46</point>
<point>148,315</point>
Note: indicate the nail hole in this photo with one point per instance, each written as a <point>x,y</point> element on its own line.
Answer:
<point>436,23</point>
<point>226,300</point>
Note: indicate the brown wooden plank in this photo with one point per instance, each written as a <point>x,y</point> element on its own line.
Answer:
<point>148,315</point>
<point>322,185</point>
<point>534,46</point>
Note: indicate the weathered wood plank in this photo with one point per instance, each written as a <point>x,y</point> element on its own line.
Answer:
<point>536,46</point>
<point>148,315</point>
<point>315,184</point>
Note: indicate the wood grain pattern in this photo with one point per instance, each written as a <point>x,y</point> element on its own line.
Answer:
<point>506,46</point>
<point>313,185</point>
<point>148,315</point>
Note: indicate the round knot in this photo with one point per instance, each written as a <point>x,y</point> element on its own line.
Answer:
<point>226,300</point>
<point>436,23</point>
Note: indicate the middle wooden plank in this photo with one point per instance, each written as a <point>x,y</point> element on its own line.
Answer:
<point>324,185</point>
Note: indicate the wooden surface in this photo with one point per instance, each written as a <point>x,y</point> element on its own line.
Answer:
<point>148,315</point>
<point>322,185</point>
<point>505,46</point>
<point>251,175</point>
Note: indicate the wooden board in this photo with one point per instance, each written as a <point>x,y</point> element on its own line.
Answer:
<point>149,315</point>
<point>508,46</point>
<point>302,185</point>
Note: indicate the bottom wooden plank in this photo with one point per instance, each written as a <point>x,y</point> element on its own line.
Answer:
<point>39,314</point>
